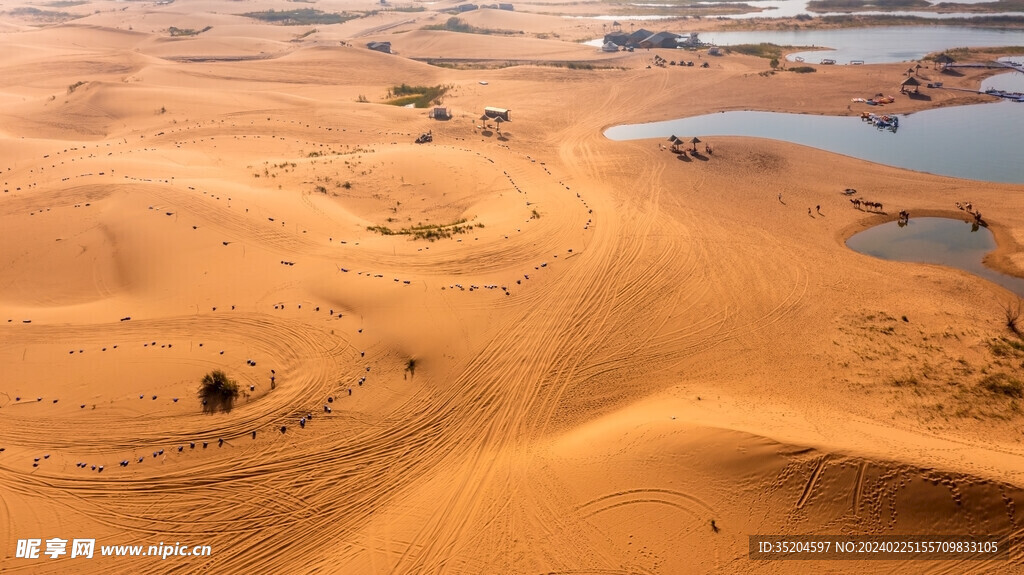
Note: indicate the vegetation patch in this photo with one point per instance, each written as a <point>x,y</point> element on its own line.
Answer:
<point>803,69</point>
<point>217,391</point>
<point>47,16</point>
<point>75,86</point>
<point>175,32</point>
<point>455,24</point>
<point>418,96</point>
<point>1005,347</point>
<point>1003,384</point>
<point>763,50</point>
<point>963,53</point>
<point>430,232</point>
<point>862,21</point>
<point>880,5</point>
<point>578,65</point>
<point>908,380</point>
<point>300,17</point>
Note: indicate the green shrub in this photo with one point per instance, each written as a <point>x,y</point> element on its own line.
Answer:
<point>300,17</point>
<point>217,391</point>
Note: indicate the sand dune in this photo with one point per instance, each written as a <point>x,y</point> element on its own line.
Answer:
<point>605,360</point>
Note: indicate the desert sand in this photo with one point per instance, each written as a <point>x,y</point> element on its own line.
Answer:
<point>627,363</point>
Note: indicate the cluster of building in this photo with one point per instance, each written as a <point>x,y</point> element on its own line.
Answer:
<point>642,38</point>
<point>468,7</point>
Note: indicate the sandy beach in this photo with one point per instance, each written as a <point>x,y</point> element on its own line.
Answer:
<point>619,360</point>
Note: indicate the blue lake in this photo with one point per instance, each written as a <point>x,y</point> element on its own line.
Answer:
<point>979,142</point>
<point>873,45</point>
<point>943,241</point>
<point>878,45</point>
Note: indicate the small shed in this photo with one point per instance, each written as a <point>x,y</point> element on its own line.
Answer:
<point>610,47</point>
<point>714,51</point>
<point>466,7</point>
<point>502,113</point>
<point>439,113</point>
<point>380,46</point>
<point>504,6</point>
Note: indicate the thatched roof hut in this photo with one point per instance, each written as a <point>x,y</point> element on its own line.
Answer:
<point>910,81</point>
<point>944,60</point>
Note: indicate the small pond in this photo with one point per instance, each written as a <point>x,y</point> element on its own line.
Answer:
<point>944,241</point>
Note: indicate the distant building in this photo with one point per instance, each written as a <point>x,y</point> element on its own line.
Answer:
<point>635,38</point>
<point>714,51</point>
<point>380,46</point>
<point>617,38</point>
<point>466,7</point>
<point>659,40</point>
<point>610,47</point>
<point>497,113</point>
<point>440,114</point>
<point>508,7</point>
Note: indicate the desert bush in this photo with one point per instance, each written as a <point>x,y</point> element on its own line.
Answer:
<point>217,391</point>
<point>1011,311</point>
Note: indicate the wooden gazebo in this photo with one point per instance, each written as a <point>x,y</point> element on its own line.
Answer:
<point>910,81</point>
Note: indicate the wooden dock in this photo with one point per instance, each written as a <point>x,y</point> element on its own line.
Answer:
<point>991,65</point>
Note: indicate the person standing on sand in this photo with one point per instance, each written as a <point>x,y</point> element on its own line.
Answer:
<point>780,198</point>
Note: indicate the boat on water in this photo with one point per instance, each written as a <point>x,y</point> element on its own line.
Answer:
<point>798,58</point>
<point>882,121</point>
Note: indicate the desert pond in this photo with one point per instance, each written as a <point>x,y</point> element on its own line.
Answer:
<point>944,241</point>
